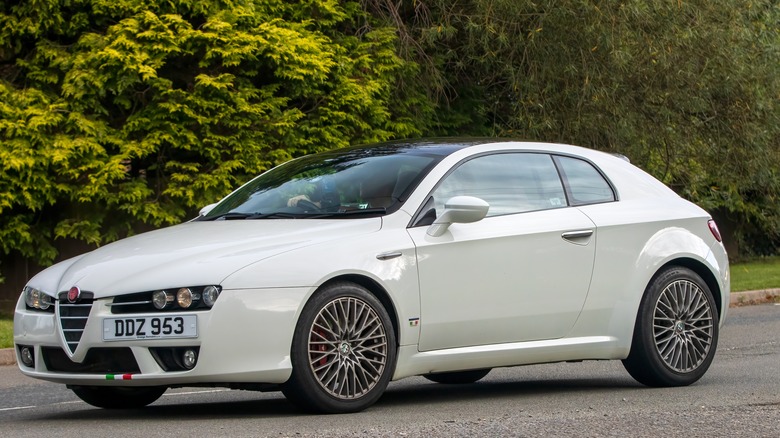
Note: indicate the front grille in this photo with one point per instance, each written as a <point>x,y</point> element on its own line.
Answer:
<point>98,361</point>
<point>73,317</point>
<point>133,303</point>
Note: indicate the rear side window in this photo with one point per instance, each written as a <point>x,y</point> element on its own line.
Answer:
<point>584,183</point>
<point>509,182</point>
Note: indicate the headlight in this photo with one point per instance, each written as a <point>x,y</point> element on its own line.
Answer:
<point>36,299</point>
<point>185,297</point>
<point>161,298</point>
<point>210,295</point>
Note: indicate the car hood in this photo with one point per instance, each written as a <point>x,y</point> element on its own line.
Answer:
<point>194,253</point>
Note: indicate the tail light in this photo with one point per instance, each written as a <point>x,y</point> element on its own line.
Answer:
<point>714,229</point>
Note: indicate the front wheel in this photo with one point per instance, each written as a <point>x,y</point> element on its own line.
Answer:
<point>343,352</point>
<point>676,330</point>
<point>109,397</point>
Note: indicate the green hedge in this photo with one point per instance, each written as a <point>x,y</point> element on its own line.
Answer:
<point>120,114</point>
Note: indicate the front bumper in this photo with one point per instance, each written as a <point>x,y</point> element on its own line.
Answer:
<point>244,338</point>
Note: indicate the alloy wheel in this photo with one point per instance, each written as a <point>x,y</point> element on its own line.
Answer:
<point>683,326</point>
<point>347,348</point>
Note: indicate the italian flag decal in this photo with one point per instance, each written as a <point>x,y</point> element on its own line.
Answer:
<point>119,377</point>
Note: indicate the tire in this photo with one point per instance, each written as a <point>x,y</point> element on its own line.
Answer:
<point>343,352</point>
<point>458,377</point>
<point>676,331</point>
<point>108,397</point>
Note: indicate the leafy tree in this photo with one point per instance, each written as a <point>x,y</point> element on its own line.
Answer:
<point>687,89</point>
<point>124,114</point>
<point>115,113</point>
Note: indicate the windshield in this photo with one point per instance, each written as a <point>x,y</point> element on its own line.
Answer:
<point>356,182</point>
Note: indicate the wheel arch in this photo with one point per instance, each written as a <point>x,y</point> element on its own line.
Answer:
<point>375,289</point>
<point>702,271</point>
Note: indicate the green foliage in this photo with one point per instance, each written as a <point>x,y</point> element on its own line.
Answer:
<point>115,113</point>
<point>119,115</point>
<point>687,89</point>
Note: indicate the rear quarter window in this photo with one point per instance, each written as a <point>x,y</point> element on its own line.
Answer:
<point>583,182</point>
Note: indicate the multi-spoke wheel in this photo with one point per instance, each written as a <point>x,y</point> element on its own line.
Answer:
<point>676,331</point>
<point>343,351</point>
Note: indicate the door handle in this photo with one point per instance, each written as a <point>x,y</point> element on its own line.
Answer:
<point>577,234</point>
<point>388,255</point>
<point>579,237</point>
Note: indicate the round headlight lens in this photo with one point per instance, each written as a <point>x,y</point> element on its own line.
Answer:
<point>160,299</point>
<point>184,297</point>
<point>36,299</point>
<point>28,296</point>
<point>44,301</point>
<point>210,295</point>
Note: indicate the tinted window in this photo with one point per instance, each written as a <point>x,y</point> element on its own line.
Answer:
<point>510,183</point>
<point>585,184</point>
<point>341,182</point>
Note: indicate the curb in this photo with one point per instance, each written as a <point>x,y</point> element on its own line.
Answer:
<point>754,297</point>
<point>8,355</point>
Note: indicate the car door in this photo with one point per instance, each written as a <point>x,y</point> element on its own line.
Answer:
<point>522,273</point>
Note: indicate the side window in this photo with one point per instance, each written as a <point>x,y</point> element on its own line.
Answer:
<point>585,184</point>
<point>509,182</point>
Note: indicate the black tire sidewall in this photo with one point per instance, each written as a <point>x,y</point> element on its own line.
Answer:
<point>644,348</point>
<point>302,388</point>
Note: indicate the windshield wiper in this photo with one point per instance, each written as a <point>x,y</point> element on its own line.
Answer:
<point>283,215</point>
<point>336,214</point>
<point>276,215</point>
<point>241,216</point>
<point>227,216</point>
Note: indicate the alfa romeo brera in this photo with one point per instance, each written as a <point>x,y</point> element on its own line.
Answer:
<point>333,274</point>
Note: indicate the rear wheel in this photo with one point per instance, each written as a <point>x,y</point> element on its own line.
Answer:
<point>458,377</point>
<point>676,330</point>
<point>343,351</point>
<point>108,397</point>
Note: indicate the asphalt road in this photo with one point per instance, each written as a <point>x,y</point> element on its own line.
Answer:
<point>739,396</point>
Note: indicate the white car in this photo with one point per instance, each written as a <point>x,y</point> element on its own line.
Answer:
<point>333,274</point>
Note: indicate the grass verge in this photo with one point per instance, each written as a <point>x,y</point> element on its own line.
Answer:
<point>758,274</point>
<point>6,332</point>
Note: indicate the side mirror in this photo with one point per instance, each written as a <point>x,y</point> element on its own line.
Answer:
<point>205,210</point>
<point>458,209</point>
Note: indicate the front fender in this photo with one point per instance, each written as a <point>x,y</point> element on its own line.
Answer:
<point>313,266</point>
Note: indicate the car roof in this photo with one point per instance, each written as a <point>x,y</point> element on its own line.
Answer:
<point>629,180</point>
<point>428,146</point>
<point>446,146</point>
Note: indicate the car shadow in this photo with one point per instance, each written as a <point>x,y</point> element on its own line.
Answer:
<point>419,393</point>
<point>432,393</point>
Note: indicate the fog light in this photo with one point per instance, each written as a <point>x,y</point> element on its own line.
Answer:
<point>189,358</point>
<point>161,298</point>
<point>210,295</point>
<point>26,354</point>
<point>184,297</point>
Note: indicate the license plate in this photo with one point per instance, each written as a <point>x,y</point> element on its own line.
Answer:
<point>150,327</point>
